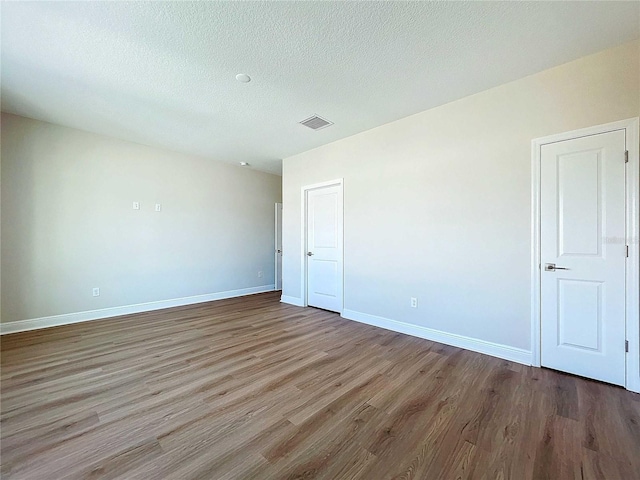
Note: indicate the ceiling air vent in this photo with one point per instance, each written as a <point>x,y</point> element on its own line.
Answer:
<point>316,123</point>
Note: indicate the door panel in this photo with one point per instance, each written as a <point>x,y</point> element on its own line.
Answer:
<point>325,218</point>
<point>580,210</point>
<point>583,299</point>
<point>324,244</point>
<point>324,278</point>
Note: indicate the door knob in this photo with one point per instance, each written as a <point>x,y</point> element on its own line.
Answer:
<point>279,251</point>
<point>309,254</point>
<point>551,267</point>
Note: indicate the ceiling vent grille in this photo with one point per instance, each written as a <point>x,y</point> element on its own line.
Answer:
<point>316,123</point>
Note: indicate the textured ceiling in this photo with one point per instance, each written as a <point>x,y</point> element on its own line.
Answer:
<point>163,74</point>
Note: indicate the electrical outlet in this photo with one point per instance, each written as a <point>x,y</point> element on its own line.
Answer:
<point>96,292</point>
<point>158,207</point>
<point>136,205</point>
<point>260,274</point>
<point>414,302</point>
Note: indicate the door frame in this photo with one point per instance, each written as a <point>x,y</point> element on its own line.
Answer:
<point>631,128</point>
<point>278,272</point>
<point>339,182</point>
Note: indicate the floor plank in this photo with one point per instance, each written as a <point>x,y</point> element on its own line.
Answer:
<point>253,388</point>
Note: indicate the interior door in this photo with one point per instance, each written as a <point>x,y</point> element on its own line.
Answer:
<point>324,248</point>
<point>278,243</point>
<point>583,256</point>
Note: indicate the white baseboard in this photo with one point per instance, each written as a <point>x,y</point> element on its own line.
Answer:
<point>68,318</point>
<point>292,300</point>
<point>505,352</point>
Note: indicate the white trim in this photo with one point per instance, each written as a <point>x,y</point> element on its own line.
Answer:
<point>505,352</point>
<point>69,318</point>
<point>292,300</point>
<point>277,271</point>
<point>535,253</point>
<point>631,127</point>
<point>303,236</point>
<point>633,262</point>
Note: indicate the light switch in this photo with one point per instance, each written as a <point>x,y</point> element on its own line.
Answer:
<point>158,207</point>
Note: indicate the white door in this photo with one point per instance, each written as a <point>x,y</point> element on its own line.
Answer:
<point>324,248</point>
<point>583,256</point>
<point>278,243</point>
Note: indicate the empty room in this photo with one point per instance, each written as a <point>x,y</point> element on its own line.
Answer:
<point>320,239</point>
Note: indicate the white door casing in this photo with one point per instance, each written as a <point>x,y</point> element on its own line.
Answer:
<point>278,246</point>
<point>585,200</point>
<point>582,229</point>
<point>323,253</point>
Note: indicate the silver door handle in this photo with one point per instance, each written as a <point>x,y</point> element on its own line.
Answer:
<point>551,267</point>
<point>309,254</point>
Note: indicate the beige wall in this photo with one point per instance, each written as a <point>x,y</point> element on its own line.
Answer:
<point>68,223</point>
<point>437,205</point>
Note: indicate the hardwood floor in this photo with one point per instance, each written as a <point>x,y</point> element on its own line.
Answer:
<point>252,388</point>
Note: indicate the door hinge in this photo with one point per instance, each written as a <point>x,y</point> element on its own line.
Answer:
<point>626,156</point>
<point>627,250</point>
<point>626,346</point>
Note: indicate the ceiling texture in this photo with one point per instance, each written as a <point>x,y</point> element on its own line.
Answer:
<point>163,73</point>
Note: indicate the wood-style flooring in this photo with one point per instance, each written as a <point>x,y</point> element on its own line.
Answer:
<point>252,388</point>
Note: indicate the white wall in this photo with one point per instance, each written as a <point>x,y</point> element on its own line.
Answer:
<point>437,205</point>
<point>68,223</point>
